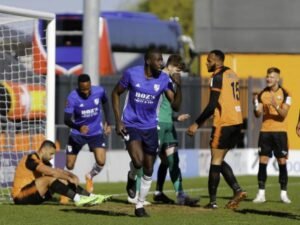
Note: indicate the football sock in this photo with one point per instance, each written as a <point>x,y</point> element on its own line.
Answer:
<point>95,170</point>
<point>161,176</point>
<point>262,175</point>
<point>283,177</point>
<point>175,173</point>
<point>145,187</point>
<point>213,181</point>
<point>229,177</point>
<point>61,188</point>
<point>138,179</point>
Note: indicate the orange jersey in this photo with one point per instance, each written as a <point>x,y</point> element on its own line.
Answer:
<point>272,121</point>
<point>228,112</point>
<point>26,172</point>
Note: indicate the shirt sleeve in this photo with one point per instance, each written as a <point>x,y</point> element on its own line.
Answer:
<point>216,83</point>
<point>69,108</point>
<point>32,161</point>
<point>125,80</point>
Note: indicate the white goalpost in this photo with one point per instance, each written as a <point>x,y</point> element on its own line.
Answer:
<point>27,88</point>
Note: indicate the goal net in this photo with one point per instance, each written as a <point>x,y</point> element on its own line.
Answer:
<point>26,104</point>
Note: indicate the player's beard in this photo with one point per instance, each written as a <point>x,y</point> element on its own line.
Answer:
<point>212,68</point>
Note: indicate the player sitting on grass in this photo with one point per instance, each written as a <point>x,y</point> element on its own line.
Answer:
<point>36,181</point>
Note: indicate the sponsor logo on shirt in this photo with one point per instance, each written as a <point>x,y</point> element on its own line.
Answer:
<point>138,85</point>
<point>89,112</point>
<point>81,105</point>
<point>144,98</point>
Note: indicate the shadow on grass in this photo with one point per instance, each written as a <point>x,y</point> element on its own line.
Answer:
<point>95,212</point>
<point>269,213</point>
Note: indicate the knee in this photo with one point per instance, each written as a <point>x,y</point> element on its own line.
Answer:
<point>100,162</point>
<point>70,165</point>
<point>148,171</point>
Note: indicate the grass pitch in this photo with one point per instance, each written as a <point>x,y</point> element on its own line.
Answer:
<point>117,211</point>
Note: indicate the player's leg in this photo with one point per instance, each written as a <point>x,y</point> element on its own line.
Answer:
<point>100,157</point>
<point>265,145</point>
<point>229,177</point>
<point>217,156</point>
<point>97,146</point>
<point>74,145</point>
<point>281,153</point>
<point>159,196</point>
<point>150,145</point>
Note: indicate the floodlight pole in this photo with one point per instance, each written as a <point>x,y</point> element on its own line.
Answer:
<point>91,39</point>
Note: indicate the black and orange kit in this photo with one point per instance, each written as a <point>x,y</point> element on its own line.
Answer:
<point>24,189</point>
<point>227,120</point>
<point>273,134</point>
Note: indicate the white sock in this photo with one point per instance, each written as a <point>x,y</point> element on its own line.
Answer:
<point>76,198</point>
<point>145,187</point>
<point>283,193</point>
<point>261,191</point>
<point>95,170</point>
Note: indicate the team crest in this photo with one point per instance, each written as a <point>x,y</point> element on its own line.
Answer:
<point>156,87</point>
<point>96,101</point>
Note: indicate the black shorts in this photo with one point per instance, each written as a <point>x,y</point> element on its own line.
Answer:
<point>29,195</point>
<point>270,143</point>
<point>225,137</point>
<point>148,138</point>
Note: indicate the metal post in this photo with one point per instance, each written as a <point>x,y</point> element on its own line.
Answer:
<point>91,40</point>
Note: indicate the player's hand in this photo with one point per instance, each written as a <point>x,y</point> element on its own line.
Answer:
<point>273,102</point>
<point>73,180</point>
<point>121,130</point>
<point>183,117</point>
<point>298,129</point>
<point>84,129</point>
<point>192,129</point>
<point>107,129</point>
<point>176,78</point>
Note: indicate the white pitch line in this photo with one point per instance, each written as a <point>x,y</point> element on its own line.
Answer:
<point>191,190</point>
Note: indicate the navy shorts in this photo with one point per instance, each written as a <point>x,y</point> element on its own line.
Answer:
<point>225,137</point>
<point>76,142</point>
<point>270,143</point>
<point>148,138</point>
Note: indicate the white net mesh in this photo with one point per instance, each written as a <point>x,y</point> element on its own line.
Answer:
<point>22,95</point>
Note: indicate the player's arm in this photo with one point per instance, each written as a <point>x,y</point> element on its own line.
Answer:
<point>207,112</point>
<point>257,104</point>
<point>116,93</point>
<point>35,164</point>
<point>69,122</point>
<point>178,93</point>
<point>298,126</point>
<point>282,109</point>
<point>174,97</point>
<point>107,114</point>
<point>69,109</point>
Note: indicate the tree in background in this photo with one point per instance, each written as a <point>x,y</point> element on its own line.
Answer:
<point>183,9</point>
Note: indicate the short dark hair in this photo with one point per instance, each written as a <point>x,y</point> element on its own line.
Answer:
<point>150,52</point>
<point>48,143</point>
<point>273,69</point>
<point>219,54</point>
<point>176,60</point>
<point>84,78</point>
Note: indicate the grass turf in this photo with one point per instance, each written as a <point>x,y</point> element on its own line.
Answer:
<point>117,211</point>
